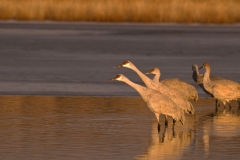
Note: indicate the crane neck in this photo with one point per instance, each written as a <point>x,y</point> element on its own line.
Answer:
<point>156,78</point>
<point>195,74</point>
<point>148,82</point>
<point>140,89</point>
<point>206,75</point>
<point>196,71</point>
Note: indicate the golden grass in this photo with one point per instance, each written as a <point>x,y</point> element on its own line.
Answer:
<point>179,11</point>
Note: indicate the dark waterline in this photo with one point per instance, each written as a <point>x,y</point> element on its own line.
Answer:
<point>48,127</point>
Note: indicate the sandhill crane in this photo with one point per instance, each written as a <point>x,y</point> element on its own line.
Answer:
<point>198,78</point>
<point>186,89</point>
<point>176,96</point>
<point>157,102</point>
<point>223,90</point>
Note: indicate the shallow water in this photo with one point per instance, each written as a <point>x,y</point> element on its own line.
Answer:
<point>48,127</point>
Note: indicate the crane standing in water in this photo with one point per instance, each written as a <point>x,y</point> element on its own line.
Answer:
<point>173,94</point>
<point>222,89</point>
<point>186,89</point>
<point>157,102</point>
<point>198,78</point>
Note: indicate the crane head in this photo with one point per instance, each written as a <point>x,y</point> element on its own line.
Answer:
<point>117,78</point>
<point>124,64</point>
<point>154,71</point>
<point>194,67</point>
<point>205,65</point>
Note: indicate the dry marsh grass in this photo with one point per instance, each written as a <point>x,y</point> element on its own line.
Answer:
<point>179,11</point>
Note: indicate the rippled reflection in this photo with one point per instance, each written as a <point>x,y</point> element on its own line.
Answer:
<point>226,123</point>
<point>221,132</point>
<point>39,127</point>
<point>42,127</point>
<point>169,143</point>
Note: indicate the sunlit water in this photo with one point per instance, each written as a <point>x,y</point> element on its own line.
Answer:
<point>41,127</point>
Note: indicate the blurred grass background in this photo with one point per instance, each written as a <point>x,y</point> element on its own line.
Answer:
<point>176,11</point>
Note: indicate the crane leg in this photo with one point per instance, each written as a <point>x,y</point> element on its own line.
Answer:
<point>163,135</point>
<point>224,103</point>
<point>173,132</point>
<point>158,127</point>
<point>229,106</point>
<point>174,121</point>
<point>158,117</point>
<point>166,121</point>
<point>216,109</point>
<point>217,103</point>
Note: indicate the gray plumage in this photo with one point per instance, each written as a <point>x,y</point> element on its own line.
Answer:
<point>157,102</point>
<point>175,95</point>
<point>222,89</point>
<point>198,78</point>
<point>187,90</point>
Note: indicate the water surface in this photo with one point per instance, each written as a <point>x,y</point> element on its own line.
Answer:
<point>53,58</point>
<point>48,127</point>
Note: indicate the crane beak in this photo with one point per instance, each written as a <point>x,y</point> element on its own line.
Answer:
<point>200,67</point>
<point>148,72</point>
<point>112,79</point>
<point>120,65</point>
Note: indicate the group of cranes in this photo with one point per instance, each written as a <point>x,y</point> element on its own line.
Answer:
<point>221,89</point>
<point>170,97</point>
